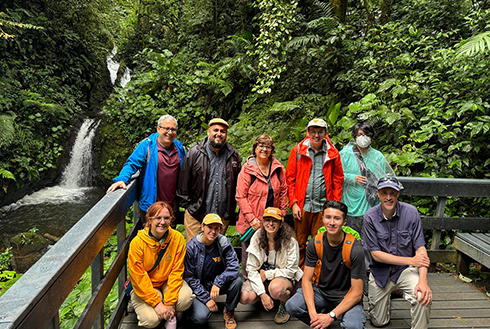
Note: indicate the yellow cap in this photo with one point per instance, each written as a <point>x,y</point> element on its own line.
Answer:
<point>273,212</point>
<point>212,219</point>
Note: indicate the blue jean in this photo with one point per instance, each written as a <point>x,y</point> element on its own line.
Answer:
<point>355,318</point>
<point>199,312</point>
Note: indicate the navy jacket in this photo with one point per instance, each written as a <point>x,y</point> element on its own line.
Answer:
<point>194,263</point>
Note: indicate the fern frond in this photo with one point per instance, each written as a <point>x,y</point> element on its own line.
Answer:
<point>477,44</point>
<point>7,128</point>
<point>303,41</point>
<point>6,174</point>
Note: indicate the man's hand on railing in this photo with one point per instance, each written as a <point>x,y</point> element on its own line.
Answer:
<point>117,185</point>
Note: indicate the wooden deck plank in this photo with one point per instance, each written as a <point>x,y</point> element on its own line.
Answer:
<point>457,304</point>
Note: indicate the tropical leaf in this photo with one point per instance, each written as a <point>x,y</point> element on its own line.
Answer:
<point>477,44</point>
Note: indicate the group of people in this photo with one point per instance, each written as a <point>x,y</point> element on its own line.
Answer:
<point>316,281</point>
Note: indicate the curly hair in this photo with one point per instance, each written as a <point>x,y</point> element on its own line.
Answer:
<point>155,210</point>
<point>282,240</point>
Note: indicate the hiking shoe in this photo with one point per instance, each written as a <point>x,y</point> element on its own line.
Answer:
<point>282,316</point>
<point>229,317</point>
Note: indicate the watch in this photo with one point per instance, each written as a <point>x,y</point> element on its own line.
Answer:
<point>333,315</point>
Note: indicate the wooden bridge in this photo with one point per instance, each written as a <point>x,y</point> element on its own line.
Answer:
<point>34,301</point>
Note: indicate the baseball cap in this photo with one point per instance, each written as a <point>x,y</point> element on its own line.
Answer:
<point>273,212</point>
<point>218,121</point>
<point>389,181</point>
<point>317,123</point>
<point>212,219</point>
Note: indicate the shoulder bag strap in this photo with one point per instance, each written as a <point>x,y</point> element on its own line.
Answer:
<point>160,256</point>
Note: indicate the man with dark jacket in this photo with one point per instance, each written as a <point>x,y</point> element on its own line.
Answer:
<point>212,269</point>
<point>208,179</point>
<point>159,157</point>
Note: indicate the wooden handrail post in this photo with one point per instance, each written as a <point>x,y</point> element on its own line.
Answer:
<point>121,237</point>
<point>436,233</point>
<point>97,274</point>
<point>55,322</point>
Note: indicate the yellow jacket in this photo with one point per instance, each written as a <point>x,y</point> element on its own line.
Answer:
<point>143,253</point>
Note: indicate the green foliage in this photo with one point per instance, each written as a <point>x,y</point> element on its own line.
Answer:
<point>7,279</point>
<point>8,23</point>
<point>5,258</point>
<point>270,47</point>
<point>479,43</point>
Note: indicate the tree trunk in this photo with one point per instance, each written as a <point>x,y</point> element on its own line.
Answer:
<point>369,14</point>
<point>385,11</point>
<point>339,8</point>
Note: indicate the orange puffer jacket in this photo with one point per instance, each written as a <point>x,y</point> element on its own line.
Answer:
<point>143,253</point>
<point>299,168</point>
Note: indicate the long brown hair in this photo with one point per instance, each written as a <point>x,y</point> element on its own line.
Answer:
<point>282,240</point>
<point>155,210</point>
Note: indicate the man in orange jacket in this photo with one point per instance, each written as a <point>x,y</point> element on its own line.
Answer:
<point>314,175</point>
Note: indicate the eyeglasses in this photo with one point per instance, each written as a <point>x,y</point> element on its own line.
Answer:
<point>318,132</point>
<point>388,179</point>
<point>160,218</point>
<point>174,130</point>
<point>265,147</point>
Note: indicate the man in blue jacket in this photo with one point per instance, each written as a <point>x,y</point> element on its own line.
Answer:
<point>212,269</point>
<point>159,157</point>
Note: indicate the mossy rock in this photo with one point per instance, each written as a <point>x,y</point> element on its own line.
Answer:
<point>29,242</point>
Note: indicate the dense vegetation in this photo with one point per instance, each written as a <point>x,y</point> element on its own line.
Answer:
<point>52,70</point>
<point>418,70</point>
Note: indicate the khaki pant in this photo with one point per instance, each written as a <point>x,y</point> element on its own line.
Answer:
<point>308,225</point>
<point>193,226</point>
<point>147,317</point>
<point>379,300</point>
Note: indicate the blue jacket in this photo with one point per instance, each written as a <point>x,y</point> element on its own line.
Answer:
<point>145,157</point>
<point>194,263</point>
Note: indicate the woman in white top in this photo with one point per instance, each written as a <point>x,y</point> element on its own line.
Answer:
<point>272,264</point>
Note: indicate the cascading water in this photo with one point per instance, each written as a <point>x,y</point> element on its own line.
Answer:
<point>112,65</point>
<point>113,68</point>
<point>78,173</point>
<point>55,209</point>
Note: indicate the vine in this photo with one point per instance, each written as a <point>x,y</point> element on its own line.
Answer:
<point>275,32</point>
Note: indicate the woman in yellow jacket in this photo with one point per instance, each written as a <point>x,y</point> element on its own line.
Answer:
<point>160,294</point>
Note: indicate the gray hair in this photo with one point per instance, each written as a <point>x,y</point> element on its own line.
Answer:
<point>165,117</point>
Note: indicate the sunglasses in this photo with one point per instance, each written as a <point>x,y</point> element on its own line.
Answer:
<point>388,179</point>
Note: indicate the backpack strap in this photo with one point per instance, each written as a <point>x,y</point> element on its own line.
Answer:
<point>319,253</point>
<point>347,248</point>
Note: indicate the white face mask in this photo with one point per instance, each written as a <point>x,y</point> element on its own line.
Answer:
<point>363,141</point>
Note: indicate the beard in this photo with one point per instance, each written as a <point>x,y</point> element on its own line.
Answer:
<point>216,145</point>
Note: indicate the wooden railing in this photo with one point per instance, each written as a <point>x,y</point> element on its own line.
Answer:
<point>34,300</point>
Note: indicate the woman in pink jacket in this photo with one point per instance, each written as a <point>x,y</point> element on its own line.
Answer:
<point>261,184</point>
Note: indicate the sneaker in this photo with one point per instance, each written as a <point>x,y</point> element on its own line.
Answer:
<point>229,317</point>
<point>281,316</point>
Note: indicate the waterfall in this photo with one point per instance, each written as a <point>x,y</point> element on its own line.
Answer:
<point>76,177</point>
<point>78,173</point>
<point>126,77</point>
<point>112,65</point>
